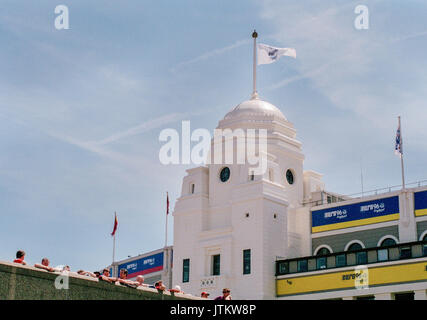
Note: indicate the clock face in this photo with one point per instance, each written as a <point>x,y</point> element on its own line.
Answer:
<point>225,174</point>
<point>289,176</point>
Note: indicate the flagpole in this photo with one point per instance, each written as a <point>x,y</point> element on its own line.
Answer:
<point>167,213</point>
<point>114,237</point>
<point>401,156</point>
<point>254,93</point>
<point>114,246</point>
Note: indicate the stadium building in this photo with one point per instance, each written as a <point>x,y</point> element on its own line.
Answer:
<point>282,235</point>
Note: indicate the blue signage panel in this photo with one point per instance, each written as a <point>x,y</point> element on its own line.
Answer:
<point>420,203</point>
<point>362,213</point>
<point>144,265</point>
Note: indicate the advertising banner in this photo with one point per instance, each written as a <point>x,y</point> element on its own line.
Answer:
<point>420,203</point>
<point>357,214</point>
<point>144,265</point>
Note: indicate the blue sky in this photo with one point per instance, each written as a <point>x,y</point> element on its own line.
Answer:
<point>81,109</point>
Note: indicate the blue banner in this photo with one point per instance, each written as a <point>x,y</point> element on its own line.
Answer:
<point>362,213</point>
<point>144,265</point>
<point>420,203</point>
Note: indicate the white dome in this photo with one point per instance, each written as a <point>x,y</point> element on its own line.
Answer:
<point>254,107</point>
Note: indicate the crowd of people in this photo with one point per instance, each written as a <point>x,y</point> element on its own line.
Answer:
<point>121,280</point>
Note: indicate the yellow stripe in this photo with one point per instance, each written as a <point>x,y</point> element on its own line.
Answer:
<point>421,212</point>
<point>408,272</point>
<point>354,223</point>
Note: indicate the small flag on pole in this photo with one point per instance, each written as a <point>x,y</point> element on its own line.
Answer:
<point>167,203</point>
<point>398,145</point>
<point>268,54</point>
<point>115,225</point>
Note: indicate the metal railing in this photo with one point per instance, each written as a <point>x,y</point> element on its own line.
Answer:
<point>411,250</point>
<point>363,194</point>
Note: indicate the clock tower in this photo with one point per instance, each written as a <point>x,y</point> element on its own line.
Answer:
<point>230,224</point>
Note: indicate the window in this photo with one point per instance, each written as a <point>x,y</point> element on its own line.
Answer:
<point>361,257</point>
<point>289,176</point>
<point>382,254</point>
<point>192,188</point>
<point>247,261</point>
<point>283,267</point>
<point>404,296</point>
<point>302,265</point>
<point>186,270</point>
<point>252,177</point>
<point>323,252</point>
<point>216,263</point>
<point>366,298</point>
<point>224,174</point>
<point>355,246</point>
<point>425,246</point>
<point>405,252</point>
<point>321,263</point>
<point>388,242</point>
<point>270,175</point>
<point>340,260</point>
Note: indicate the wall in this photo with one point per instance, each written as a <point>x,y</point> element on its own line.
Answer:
<point>28,283</point>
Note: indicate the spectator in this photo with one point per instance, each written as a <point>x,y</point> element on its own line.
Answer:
<point>66,268</point>
<point>140,281</point>
<point>87,273</point>
<point>205,295</point>
<point>159,285</point>
<point>105,276</point>
<point>97,274</point>
<point>20,255</point>
<point>44,265</point>
<point>225,295</point>
<point>122,279</point>
<point>177,289</point>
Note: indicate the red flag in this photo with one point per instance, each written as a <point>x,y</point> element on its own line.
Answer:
<point>115,224</point>
<point>167,203</point>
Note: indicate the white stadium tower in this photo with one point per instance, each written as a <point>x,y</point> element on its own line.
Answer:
<point>277,233</point>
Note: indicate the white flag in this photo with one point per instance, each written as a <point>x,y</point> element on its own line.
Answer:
<point>398,144</point>
<point>268,54</point>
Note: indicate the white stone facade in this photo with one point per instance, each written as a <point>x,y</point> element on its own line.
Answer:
<point>263,213</point>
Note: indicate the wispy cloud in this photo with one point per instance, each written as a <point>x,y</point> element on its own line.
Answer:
<point>305,75</point>
<point>410,36</point>
<point>210,54</point>
<point>141,128</point>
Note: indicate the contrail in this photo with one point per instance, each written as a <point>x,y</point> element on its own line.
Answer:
<point>212,53</point>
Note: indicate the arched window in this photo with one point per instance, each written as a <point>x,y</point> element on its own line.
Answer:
<point>383,253</point>
<point>388,242</point>
<point>323,252</point>
<point>355,246</point>
<point>321,261</point>
<point>361,256</point>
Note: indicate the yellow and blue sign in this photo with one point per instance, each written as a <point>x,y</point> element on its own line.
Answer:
<point>357,214</point>
<point>350,279</point>
<point>420,203</point>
